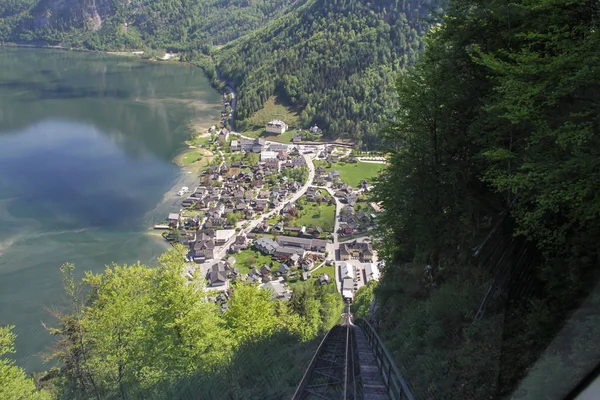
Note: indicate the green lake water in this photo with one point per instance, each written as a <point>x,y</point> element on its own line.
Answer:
<point>86,143</point>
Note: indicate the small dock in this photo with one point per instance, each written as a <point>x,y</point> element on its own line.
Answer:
<point>161,226</point>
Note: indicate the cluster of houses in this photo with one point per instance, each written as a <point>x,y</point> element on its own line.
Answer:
<point>352,223</point>
<point>231,192</point>
<point>220,274</point>
<point>243,190</point>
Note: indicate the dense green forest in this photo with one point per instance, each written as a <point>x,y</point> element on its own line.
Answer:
<point>335,61</point>
<point>496,141</point>
<point>172,25</point>
<point>140,332</point>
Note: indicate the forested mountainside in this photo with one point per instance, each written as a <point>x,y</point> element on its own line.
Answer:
<point>141,332</point>
<point>335,61</point>
<point>490,229</point>
<point>174,25</point>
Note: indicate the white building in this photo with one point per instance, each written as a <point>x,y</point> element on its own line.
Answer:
<point>267,155</point>
<point>235,145</point>
<point>276,126</point>
<point>346,271</point>
<point>372,272</point>
<point>347,288</point>
<point>223,235</point>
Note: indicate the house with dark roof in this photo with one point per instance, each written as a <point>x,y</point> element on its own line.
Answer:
<point>258,145</point>
<point>344,252</point>
<point>266,245</point>
<point>265,270</point>
<point>277,147</point>
<point>307,244</point>
<point>203,248</point>
<point>333,175</point>
<point>218,275</point>
<point>261,205</point>
<point>284,269</point>
<point>356,249</point>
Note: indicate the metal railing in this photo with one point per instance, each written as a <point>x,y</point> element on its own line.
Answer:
<point>396,385</point>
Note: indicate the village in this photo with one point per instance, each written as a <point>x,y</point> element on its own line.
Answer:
<point>275,214</point>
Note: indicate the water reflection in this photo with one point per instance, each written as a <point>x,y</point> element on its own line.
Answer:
<point>86,143</point>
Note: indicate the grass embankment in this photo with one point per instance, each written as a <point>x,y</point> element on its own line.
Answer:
<point>196,160</point>
<point>191,157</point>
<point>274,108</point>
<point>353,174</point>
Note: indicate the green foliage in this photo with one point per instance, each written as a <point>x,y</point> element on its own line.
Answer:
<point>353,174</point>
<point>334,61</point>
<point>314,215</point>
<point>175,25</point>
<point>318,306</point>
<point>494,117</point>
<point>363,298</point>
<point>299,175</point>
<point>250,314</point>
<point>14,383</point>
<point>136,331</point>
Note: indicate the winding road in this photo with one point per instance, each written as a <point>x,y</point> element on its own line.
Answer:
<point>221,251</point>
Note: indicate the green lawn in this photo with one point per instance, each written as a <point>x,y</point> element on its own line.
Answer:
<point>259,131</point>
<point>329,270</point>
<point>352,174</point>
<point>314,275</point>
<point>243,260</point>
<point>276,218</point>
<point>274,108</point>
<point>313,215</point>
<point>199,141</point>
<point>191,157</point>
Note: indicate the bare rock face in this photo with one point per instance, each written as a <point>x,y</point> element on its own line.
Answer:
<point>88,14</point>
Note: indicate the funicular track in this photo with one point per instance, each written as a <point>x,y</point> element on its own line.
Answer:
<point>352,363</point>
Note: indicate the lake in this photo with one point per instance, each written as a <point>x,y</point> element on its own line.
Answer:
<point>86,148</point>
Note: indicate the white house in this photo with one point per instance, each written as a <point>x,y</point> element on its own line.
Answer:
<point>223,235</point>
<point>372,272</point>
<point>267,155</point>
<point>276,126</point>
<point>346,270</point>
<point>347,288</point>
